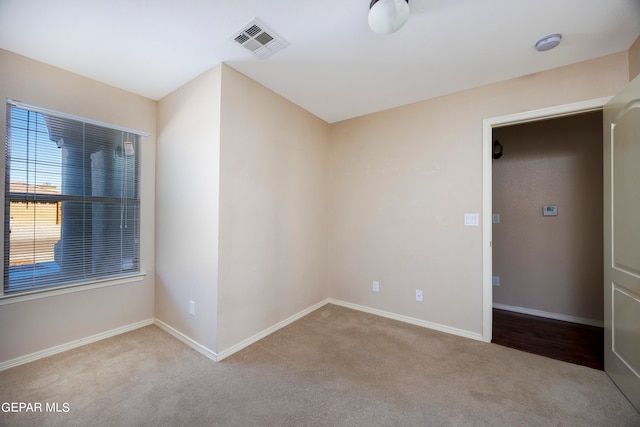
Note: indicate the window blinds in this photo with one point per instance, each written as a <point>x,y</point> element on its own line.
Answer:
<point>72,200</point>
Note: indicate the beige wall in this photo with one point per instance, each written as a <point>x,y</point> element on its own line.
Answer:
<point>634,59</point>
<point>553,264</point>
<point>30,326</point>
<point>391,189</point>
<point>187,183</point>
<point>273,209</point>
<point>251,251</point>
<point>402,180</point>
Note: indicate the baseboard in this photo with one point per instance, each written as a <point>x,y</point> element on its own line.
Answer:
<point>251,340</point>
<point>21,360</point>
<point>411,320</point>
<point>234,349</point>
<point>188,341</point>
<point>548,315</point>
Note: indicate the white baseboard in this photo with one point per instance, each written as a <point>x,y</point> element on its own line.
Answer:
<point>73,344</point>
<point>548,315</point>
<point>411,320</point>
<point>216,357</point>
<point>245,343</point>
<point>234,349</point>
<point>188,341</point>
<point>237,347</point>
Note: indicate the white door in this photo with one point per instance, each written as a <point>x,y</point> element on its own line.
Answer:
<point>622,240</point>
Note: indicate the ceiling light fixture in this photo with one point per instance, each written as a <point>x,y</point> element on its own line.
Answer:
<point>548,42</point>
<point>388,16</point>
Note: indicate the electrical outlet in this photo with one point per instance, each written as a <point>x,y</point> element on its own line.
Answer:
<point>192,308</point>
<point>375,286</point>
<point>418,295</point>
<point>495,281</point>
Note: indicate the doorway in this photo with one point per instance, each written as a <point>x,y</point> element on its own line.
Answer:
<point>547,238</point>
<point>488,128</point>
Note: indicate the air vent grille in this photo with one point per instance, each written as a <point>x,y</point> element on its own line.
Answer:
<point>242,38</point>
<point>253,30</point>
<point>258,39</point>
<point>264,38</point>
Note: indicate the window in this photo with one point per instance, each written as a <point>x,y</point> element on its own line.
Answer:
<point>72,200</point>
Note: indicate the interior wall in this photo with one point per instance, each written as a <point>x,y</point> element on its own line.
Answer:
<point>187,205</point>
<point>273,209</point>
<point>550,263</point>
<point>401,181</point>
<point>39,324</point>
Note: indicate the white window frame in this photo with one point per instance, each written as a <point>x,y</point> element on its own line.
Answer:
<point>49,290</point>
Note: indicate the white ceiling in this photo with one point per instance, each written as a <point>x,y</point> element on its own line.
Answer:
<point>335,66</point>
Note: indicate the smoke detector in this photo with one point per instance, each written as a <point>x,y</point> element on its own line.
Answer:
<point>548,42</point>
<point>259,40</point>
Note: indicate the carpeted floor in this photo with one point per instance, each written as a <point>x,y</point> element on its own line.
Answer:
<point>334,367</point>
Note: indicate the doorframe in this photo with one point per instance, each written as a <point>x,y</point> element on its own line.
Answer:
<point>487,184</point>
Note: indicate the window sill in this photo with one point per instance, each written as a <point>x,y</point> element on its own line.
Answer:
<point>76,287</point>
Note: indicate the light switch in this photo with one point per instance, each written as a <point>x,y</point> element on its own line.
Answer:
<point>471,220</point>
<point>496,218</point>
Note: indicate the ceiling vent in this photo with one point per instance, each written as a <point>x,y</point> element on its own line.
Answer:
<point>259,40</point>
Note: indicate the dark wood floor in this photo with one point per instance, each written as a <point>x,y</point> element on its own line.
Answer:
<point>571,342</point>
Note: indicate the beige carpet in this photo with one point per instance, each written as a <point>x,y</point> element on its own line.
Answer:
<point>334,367</point>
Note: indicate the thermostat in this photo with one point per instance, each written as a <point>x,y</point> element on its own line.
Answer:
<point>550,210</point>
